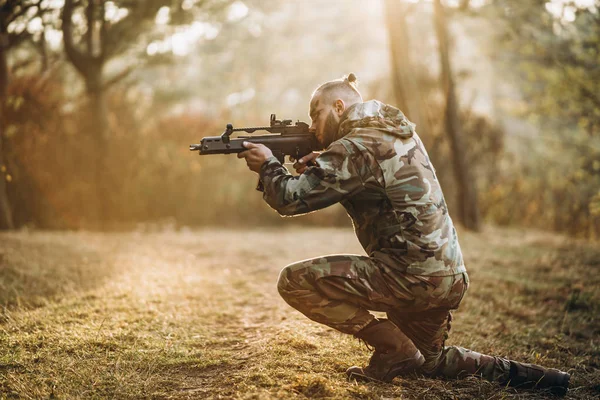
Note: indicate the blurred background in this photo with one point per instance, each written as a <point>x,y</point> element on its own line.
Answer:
<point>100,100</point>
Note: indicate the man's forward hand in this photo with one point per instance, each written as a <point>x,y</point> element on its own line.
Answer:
<point>256,155</point>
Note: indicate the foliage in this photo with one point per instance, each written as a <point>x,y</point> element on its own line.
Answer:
<point>50,159</point>
<point>550,177</point>
<point>240,69</point>
<point>557,62</point>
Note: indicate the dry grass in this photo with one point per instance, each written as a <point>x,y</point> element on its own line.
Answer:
<point>197,315</point>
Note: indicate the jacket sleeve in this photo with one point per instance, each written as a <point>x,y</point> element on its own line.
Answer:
<point>334,178</point>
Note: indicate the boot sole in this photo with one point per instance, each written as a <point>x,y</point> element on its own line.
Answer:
<point>417,361</point>
<point>363,378</point>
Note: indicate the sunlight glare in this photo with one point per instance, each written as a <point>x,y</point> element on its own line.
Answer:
<point>197,30</point>
<point>454,3</point>
<point>566,10</point>
<point>52,4</point>
<point>205,30</point>
<point>54,38</point>
<point>569,13</point>
<point>237,11</point>
<point>35,25</point>
<point>159,47</point>
<point>180,44</point>
<point>16,27</point>
<point>212,31</point>
<point>152,49</point>
<point>240,97</point>
<point>187,4</point>
<point>113,13</point>
<point>162,16</point>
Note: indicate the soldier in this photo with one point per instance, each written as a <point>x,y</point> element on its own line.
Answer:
<point>376,166</point>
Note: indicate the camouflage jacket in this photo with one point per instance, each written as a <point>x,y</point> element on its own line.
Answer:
<point>379,170</point>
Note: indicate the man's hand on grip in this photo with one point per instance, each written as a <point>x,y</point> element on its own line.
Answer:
<point>306,161</point>
<point>256,155</point>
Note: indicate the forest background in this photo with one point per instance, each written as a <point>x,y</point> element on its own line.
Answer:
<point>100,100</point>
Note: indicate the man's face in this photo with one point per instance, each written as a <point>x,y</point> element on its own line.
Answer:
<point>325,119</point>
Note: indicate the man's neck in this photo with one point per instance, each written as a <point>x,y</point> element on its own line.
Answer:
<point>347,112</point>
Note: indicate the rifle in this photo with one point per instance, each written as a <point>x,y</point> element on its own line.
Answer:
<point>285,140</point>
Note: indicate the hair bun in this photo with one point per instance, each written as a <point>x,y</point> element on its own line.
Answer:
<point>351,77</point>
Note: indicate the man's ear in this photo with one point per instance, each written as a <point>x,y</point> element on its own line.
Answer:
<point>339,107</point>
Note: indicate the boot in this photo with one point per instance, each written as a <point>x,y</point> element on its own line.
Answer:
<point>395,354</point>
<point>458,362</point>
<point>533,376</point>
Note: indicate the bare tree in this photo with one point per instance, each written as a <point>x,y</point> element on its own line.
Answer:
<point>88,48</point>
<point>468,209</point>
<point>91,44</point>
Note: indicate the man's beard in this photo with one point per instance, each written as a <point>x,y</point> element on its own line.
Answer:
<point>330,129</point>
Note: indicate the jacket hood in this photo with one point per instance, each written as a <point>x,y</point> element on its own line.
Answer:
<point>375,115</point>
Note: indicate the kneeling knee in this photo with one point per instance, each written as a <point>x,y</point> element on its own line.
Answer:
<point>293,279</point>
<point>283,283</point>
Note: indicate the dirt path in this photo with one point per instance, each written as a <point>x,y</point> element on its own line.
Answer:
<point>197,315</point>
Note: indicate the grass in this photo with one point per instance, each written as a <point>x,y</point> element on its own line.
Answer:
<point>196,314</point>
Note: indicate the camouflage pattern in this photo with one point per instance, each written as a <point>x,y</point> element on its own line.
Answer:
<point>379,170</point>
<point>429,331</point>
<point>338,291</point>
<point>458,362</point>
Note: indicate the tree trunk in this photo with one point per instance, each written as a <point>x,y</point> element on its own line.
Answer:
<point>6,220</point>
<point>89,64</point>
<point>44,51</point>
<point>404,80</point>
<point>468,209</point>
<point>98,114</point>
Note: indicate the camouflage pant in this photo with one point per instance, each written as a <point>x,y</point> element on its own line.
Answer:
<point>339,291</point>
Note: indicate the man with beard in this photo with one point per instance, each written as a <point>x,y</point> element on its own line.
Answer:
<point>376,166</point>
